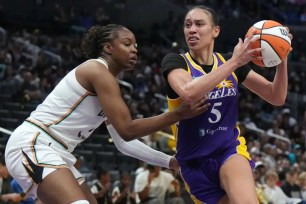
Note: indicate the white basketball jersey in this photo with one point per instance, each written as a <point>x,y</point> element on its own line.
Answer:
<point>70,112</point>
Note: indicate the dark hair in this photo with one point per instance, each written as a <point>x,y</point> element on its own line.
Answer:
<point>2,160</point>
<point>211,11</point>
<point>94,39</point>
<point>125,174</point>
<point>150,167</point>
<point>101,172</point>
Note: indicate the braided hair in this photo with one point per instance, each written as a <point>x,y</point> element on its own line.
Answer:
<point>95,38</point>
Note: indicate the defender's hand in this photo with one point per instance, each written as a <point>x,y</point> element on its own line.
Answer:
<point>186,111</point>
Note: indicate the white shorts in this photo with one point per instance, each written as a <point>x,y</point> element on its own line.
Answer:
<point>32,152</point>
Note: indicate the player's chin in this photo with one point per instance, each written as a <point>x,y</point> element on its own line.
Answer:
<point>130,66</point>
<point>192,43</point>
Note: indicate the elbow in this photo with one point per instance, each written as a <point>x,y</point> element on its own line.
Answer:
<point>126,135</point>
<point>279,102</point>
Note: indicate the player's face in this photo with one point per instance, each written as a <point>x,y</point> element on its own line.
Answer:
<point>199,30</point>
<point>124,51</point>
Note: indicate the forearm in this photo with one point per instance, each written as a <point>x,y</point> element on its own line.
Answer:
<point>139,150</point>
<point>280,84</point>
<point>199,87</point>
<point>146,126</point>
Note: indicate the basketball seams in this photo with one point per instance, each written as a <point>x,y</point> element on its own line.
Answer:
<point>261,61</point>
<point>269,34</point>
<point>272,48</point>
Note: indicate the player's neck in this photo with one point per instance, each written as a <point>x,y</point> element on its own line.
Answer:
<point>203,58</point>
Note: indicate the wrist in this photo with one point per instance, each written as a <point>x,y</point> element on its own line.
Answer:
<point>175,115</point>
<point>173,164</point>
<point>233,64</point>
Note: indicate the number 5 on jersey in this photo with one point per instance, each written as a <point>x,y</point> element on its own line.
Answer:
<point>216,112</point>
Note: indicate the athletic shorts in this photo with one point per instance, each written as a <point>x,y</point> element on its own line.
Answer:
<point>201,175</point>
<point>32,152</point>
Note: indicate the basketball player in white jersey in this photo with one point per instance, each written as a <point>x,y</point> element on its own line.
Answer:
<point>38,153</point>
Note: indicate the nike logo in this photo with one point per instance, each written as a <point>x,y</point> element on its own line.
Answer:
<point>81,136</point>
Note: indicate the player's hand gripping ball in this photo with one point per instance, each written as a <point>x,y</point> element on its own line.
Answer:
<point>275,40</point>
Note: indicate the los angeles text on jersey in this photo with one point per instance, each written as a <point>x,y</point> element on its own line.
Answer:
<point>221,93</point>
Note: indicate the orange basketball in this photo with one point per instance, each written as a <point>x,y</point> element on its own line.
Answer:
<point>275,41</point>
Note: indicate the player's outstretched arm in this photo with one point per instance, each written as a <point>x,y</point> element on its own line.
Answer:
<point>139,150</point>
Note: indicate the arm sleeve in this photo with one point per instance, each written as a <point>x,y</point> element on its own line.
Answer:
<point>139,150</point>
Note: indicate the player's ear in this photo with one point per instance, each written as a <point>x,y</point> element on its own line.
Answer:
<point>107,48</point>
<point>216,31</point>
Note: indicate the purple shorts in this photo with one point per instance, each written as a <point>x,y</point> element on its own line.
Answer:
<point>201,175</point>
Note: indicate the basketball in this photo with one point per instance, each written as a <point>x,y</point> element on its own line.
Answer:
<point>274,39</point>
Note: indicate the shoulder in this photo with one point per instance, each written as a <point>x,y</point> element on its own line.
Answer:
<point>172,56</point>
<point>92,73</point>
<point>93,64</point>
<point>91,67</point>
<point>172,61</point>
<point>142,175</point>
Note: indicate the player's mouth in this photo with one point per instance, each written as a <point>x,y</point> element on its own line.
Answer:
<point>192,39</point>
<point>133,60</point>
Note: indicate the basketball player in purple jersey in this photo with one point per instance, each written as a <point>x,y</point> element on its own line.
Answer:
<point>212,154</point>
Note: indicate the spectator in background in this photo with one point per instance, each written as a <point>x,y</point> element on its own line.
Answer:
<point>17,189</point>
<point>261,170</point>
<point>289,187</point>
<point>275,129</point>
<point>28,91</point>
<point>142,166</point>
<point>123,192</point>
<point>275,193</point>
<point>9,84</point>
<point>101,187</point>
<point>270,153</point>
<point>6,193</point>
<point>152,141</point>
<point>153,184</point>
<point>81,164</point>
<point>263,198</point>
<point>287,122</point>
<point>301,182</point>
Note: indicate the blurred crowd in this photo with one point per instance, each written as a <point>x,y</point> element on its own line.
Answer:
<point>32,62</point>
<point>291,12</point>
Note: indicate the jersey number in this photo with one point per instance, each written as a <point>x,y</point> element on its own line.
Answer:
<point>216,112</point>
